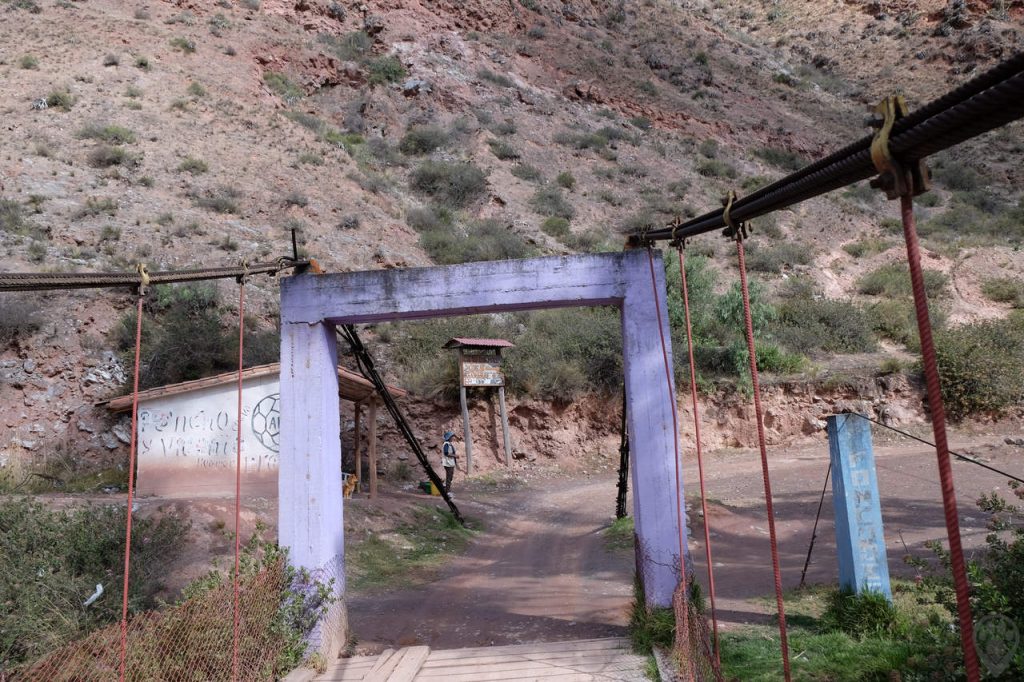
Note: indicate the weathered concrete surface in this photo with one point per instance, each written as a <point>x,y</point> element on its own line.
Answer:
<point>860,539</point>
<point>310,304</point>
<point>309,474</point>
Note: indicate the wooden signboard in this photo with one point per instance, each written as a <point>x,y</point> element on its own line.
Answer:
<point>482,370</point>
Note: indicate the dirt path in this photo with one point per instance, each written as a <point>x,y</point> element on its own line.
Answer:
<point>911,514</point>
<point>539,572</point>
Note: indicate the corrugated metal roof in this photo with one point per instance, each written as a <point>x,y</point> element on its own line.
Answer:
<point>467,342</point>
<point>353,386</point>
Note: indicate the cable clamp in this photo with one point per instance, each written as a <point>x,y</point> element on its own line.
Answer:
<point>735,231</point>
<point>143,273</point>
<point>894,178</point>
<point>677,241</point>
<point>244,277</point>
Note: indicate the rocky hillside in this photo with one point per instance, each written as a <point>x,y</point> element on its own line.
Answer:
<point>395,133</point>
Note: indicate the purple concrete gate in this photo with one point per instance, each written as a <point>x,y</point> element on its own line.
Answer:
<point>309,483</point>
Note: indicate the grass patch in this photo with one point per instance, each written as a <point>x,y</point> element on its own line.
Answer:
<point>105,156</point>
<point>410,554</point>
<point>495,78</point>
<point>893,281</point>
<point>282,86</point>
<point>555,227</point>
<point>184,44</point>
<point>867,246</point>
<point>503,150</point>
<point>60,99</point>
<point>620,535</point>
<point>457,184</point>
<point>382,70</point>
<point>420,140</point>
<point>980,366</point>
<point>111,134</point>
<point>775,257</point>
<point>781,158</point>
<point>193,166</point>
<point>549,201</point>
<point>219,200</point>
<point>525,171</point>
<point>1004,290</point>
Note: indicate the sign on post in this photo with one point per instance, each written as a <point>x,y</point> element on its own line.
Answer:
<point>482,370</point>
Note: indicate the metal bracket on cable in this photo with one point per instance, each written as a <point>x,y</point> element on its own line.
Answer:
<point>894,178</point>
<point>143,278</point>
<point>733,230</point>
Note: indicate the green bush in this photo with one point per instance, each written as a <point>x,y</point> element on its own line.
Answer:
<point>981,365</point>
<point>455,183</point>
<point>111,134</point>
<point>105,156</point>
<point>867,246</point>
<point>808,324</point>
<point>496,78</point>
<point>893,281</point>
<point>282,86</point>
<point>60,99</point>
<point>447,241</point>
<point>775,257</point>
<point>51,560</point>
<point>1004,290</point>
<point>186,337</point>
<point>895,320</point>
<point>566,180</point>
<point>386,69</point>
<point>715,168</point>
<point>19,317</point>
<point>782,158</point>
<point>184,44</point>
<point>419,140</point>
<point>555,227</point>
<point>581,140</point>
<point>193,166</point>
<point>222,199</point>
<point>860,615</point>
<point>976,219</point>
<point>525,171</point>
<point>28,62</point>
<point>503,150</point>
<point>351,47</point>
<point>549,201</point>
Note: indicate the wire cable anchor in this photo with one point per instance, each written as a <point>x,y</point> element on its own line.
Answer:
<point>895,178</point>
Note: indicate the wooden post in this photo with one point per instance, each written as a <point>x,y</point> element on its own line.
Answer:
<point>358,451</point>
<point>504,426</point>
<point>373,447</point>
<point>465,430</point>
<point>465,419</point>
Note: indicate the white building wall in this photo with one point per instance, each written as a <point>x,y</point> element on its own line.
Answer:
<point>188,442</point>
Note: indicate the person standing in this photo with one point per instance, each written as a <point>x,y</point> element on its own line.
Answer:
<point>448,459</point>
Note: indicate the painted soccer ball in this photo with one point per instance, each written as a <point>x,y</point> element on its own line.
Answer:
<point>266,422</point>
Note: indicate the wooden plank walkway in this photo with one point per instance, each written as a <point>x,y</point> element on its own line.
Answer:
<point>589,660</point>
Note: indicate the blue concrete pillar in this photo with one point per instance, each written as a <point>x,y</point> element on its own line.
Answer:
<point>860,541</point>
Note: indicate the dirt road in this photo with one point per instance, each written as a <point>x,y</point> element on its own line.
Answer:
<point>541,570</point>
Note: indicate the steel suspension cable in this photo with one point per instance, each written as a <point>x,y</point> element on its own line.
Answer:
<point>963,458</point>
<point>238,479</point>
<point>817,517</point>
<point>133,443</point>
<point>700,454</point>
<point>755,381</point>
<point>938,414</point>
<point>684,579</point>
<point>984,103</point>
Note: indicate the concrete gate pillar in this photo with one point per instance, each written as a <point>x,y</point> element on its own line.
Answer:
<point>310,502</point>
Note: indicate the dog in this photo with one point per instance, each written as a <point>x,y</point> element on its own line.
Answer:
<point>349,485</point>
